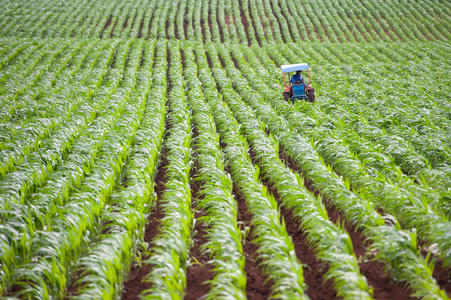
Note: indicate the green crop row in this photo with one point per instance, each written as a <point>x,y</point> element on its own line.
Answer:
<point>414,205</point>
<point>248,21</point>
<point>171,246</point>
<point>358,212</point>
<point>215,196</point>
<point>85,124</point>
<point>275,252</point>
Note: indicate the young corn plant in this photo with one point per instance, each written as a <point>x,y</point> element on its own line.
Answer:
<point>78,221</point>
<point>28,221</point>
<point>412,210</point>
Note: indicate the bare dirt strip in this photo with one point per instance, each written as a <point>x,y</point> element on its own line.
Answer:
<point>257,284</point>
<point>384,287</point>
<point>199,272</point>
<point>135,285</point>
<point>317,287</point>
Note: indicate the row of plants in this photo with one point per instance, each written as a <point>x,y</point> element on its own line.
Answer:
<point>250,21</point>
<point>29,214</point>
<point>391,113</point>
<point>410,161</point>
<point>214,195</point>
<point>397,248</point>
<point>338,122</point>
<point>20,83</point>
<point>60,244</point>
<point>18,58</point>
<point>31,170</point>
<point>413,210</point>
<point>42,115</point>
<point>101,272</point>
<point>332,244</point>
<point>421,156</point>
<point>275,254</point>
<point>170,247</point>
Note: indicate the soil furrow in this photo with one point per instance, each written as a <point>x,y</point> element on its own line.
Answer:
<point>257,284</point>
<point>314,271</point>
<point>384,287</point>
<point>135,285</point>
<point>378,278</point>
<point>199,272</point>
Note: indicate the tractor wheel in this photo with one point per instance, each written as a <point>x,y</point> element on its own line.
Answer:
<point>286,96</point>
<point>311,95</point>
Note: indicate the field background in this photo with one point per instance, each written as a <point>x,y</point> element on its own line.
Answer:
<point>146,150</point>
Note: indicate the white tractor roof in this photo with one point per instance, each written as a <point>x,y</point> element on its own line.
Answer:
<point>294,68</point>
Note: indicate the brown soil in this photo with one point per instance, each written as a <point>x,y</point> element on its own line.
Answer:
<point>227,20</point>
<point>244,20</point>
<point>108,22</point>
<point>210,24</point>
<point>124,25</point>
<point>210,63</point>
<point>313,269</point>
<point>254,23</point>
<point>258,286</point>
<point>112,30</point>
<point>443,277</point>
<point>202,30</point>
<point>221,29</point>
<point>245,26</point>
<point>395,32</point>
<point>185,26</point>
<point>317,287</point>
<point>149,25</point>
<point>167,27</point>
<point>384,287</point>
<point>141,61</point>
<point>134,286</point>
<point>374,271</point>
<point>141,27</point>
<point>199,272</point>
<point>315,29</point>
<point>441,274</point>
<point>284,15</point>
<point>326,32</point>
<point>278,22</point>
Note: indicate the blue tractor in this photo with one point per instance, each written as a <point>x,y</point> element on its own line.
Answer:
<point>297,88</point>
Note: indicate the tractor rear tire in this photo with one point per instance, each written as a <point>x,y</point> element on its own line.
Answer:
<point>286,96</point>
<point>311,95</point>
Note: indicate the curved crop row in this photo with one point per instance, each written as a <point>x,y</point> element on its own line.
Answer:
<point>173,241</point>
<point>248,21</point>
<point>103,270</point>
<point>359,212</point>
<point>336,249</point>
<point>215,195</point>
<point>276,251</point>
<point>410,208</point>
<point>61,240</point>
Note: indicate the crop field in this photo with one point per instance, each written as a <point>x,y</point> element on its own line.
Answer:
<point>146,150</point>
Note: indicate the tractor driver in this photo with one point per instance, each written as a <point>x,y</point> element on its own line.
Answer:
<point>297,78</point>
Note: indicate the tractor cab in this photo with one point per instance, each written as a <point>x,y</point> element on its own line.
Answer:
<point>297,89</point>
